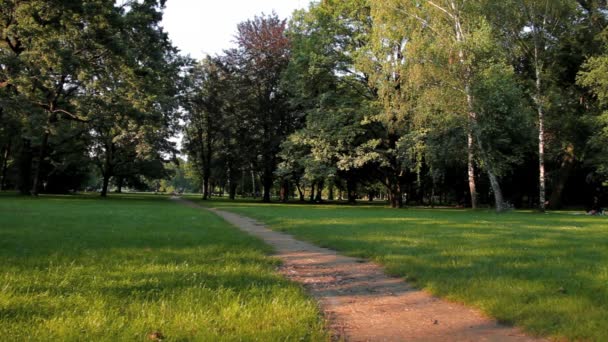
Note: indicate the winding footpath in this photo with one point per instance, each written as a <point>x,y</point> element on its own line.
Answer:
<point>362,303</point>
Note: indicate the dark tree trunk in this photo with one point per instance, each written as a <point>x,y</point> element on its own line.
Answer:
<point>370,196</point>
<point>395,191</point>
<point>312,192</point>
<point>106,182</point>
<point>232,191</point>
<point>232,182</point>
<point>284,191</point>
<point>395,196</point>
<point>25,167</point>
<point>330,193</point>
<point>242,189</point>
<point>107,169</point>
<point>300,193</point>
<point>351,189</point>
<point>206,186</point>
<point>432,201</point>
<point>319,197</point>
<point>4,166</point>
<point>555,201</point>
<point>37,164</point>
<point>267,183</point>
<point>498,198</point>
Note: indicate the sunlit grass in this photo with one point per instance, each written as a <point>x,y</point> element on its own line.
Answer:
<point>547,273</point>
<point>81,268</point>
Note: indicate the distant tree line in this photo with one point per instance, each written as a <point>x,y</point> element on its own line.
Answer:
<point>427,102</point>
<point>468,102</point>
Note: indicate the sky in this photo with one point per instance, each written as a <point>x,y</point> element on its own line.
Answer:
<point>201,27</point>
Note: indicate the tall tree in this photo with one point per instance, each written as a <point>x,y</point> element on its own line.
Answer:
<point>445,48</point>
<point>534,31</point>
<point>594,75</point>
<point>262,55</point>
<point>206,99</point>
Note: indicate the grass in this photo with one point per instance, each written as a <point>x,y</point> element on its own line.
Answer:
<point>547,273</point>
<point>86,269</point>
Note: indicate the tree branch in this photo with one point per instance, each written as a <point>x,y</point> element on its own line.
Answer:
<point>452,16</point>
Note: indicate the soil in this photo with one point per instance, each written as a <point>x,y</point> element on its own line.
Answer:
<point>362,303</point>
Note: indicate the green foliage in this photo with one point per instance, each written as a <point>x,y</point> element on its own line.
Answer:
<point>503,119</point>
<point>595,76</point>
<point>100,75</point>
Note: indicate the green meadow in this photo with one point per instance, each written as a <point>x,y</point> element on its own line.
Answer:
<point>121,269</point>
<point>547,273</point>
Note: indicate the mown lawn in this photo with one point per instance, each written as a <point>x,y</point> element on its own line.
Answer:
<point>547,273</point>
<point>86,269</point>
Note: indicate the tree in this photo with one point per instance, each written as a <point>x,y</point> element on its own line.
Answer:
<point>64,45</point>
<point>594,76</point>
<point>444,48</point>
<point>133,100</point>
<point>261,57</point>
<point>534,31</point>
<point>333,87</point>
<point>204,108</point>
<point>61,63</point>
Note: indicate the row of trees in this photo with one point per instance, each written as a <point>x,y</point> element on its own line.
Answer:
<point>86,87</point>
<point>467,101</point>
<point>452,101</point>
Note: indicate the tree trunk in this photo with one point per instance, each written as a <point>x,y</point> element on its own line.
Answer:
<point>432,201</point>
<point>302,199</point>
<point>242,189</point>
<point>370,196</point>
<point>312,192</point>
<point>25,167</point>
<point>107,169</point>
<point>330,194</point>
<point>253,193</point>
<point>319,197</point>
<point>351,189</point>
<point>498,199</point>
<point>460,37</point>
<point>37,164</point>
<point>541,129</point>
<point>284,191</point>
<point>471,168</point>
<point>106,182</point>
<point>267,183</point>
<point>232,191</point>
<point>555,201</point>
<point>4,166</point>
<point>206,186</point>
<point>395,193</point>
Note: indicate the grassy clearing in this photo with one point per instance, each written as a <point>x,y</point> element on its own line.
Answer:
<point>77,268</point>
<point>547,273</point>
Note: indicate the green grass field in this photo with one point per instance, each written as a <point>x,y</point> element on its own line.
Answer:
<point>547,273</point>
<point>86,269</point>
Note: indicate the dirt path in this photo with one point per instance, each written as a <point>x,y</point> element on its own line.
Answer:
<point>362,303</point>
